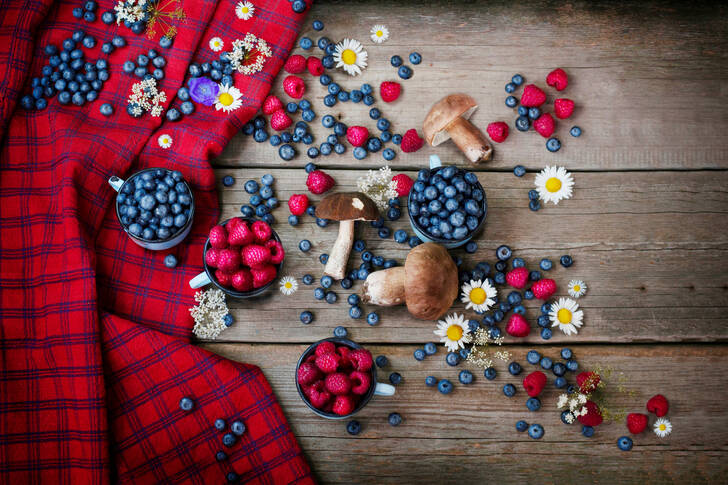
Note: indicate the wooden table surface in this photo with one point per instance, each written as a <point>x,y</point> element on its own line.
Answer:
<point>647,227</point>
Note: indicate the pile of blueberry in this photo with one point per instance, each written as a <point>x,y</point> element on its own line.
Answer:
<point>68,75</point>
<point>155,204</point>
<point>403,71</point>
<point>87,12</point>
<point>152,60</point>
<point>447,203</point>
<point>262,199</point>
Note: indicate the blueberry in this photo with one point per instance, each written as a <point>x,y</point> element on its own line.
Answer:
<point>511,101</point>
<point>396,61</point>
<point>587,431</point>
<point>545,264</point>
<point>170,261</point>
<point>566,261</point>
<point>575,131</point>
<point>322,222</point>
<point>118,41</point>
<point>397,139</point>
<point>521,426</point>
<point>313,152</point>
<point>359,153</point>
<point>572,365</point>
<point>405,72</point>
<point>228,439</point>
<point>471,247</point>
<point>624,443</point>
<point>445,386</point>
<point>304,245</point>
<point>77,12</point>
<point>522,123</point>
<point>465,377</point>
<point>503,253</point>
<point>534,205</point>
<point>414,241</point>
<point>186,404</point>
<point>553,144</point>
<point>106,109</point>
<point>343,96</point>
<point>306,317</point>
<point>395,377</point>
<point>173,114</point>
<point>381,361</point>
<point>328,62</point>
<point>346,283</point>
<point>515,368</point>
<point>298,6</point>
<point>546,333</point>
<point>305,43</point>
<point>228,320</point>
<point>221,455</point>
<point>384,233</point>
<point>509,390</point>
<point>489,373</point>
<point>286,152</point>
<point>353,427</point>
<point>415,58</point>
<point>430,381</point>
<point>419,354</point>
<point>232,477</point>
<point>522,111</point>
<point>559,369</point>
<point>452,358</point>
<point>533,357</point>
<point>510,87</point>
<point>534,275</point>
<point>238,428</point>
<point>519,171</point>
<point>108,17</point>
<point>535,431</point>
<point>560,382</point>
<point>372,318</point>
<point>533,404</point>
<point>89,17</point>
<point>326,280</point>
<point>517,79</point>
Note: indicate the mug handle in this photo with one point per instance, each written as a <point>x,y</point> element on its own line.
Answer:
<point>382,389</point>
<point>116,182</point>
<point>200,280</point>
<point>435,162</point>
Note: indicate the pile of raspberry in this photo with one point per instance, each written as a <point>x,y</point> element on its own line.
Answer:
<point>334,377</point>
<point>244,255</point>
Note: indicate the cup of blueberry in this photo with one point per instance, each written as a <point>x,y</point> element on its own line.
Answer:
<point>446,205</point>
<point>155,207</point>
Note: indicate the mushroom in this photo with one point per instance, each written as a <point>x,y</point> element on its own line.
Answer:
<point>427,283</point>
<point>448,118</point>
<point>345,207</point>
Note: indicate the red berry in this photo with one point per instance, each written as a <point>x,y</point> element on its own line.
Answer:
<point>558,79</point>
<point>636,422</point>
<point>389,91</point>
<point>295,64</point>
<point>357,135</point>
<point>308,373</point>
<point>264,275</point>
<point>534,383</point>
<point>297,204</point>
<point>326,347</point>
<point>593,416</point>
<point>318,395</point>
<point>319,182</point>
<point>262,231</point>
<point>343,405</point>
<point>411,141</point>
<point>544,125</point>
<point>338,383</point>
<point>211,257</point>
<point>658,405</point>
<point>218,237</point>
<point>255,256</point>
<point>404,184</point>
<point>294,86</point>
<point>587,381</point>
<point>242,280</point>
<point>517,277</point>
<point>224,278</point>
<point>532,96</point>
<point>271,104</point>
<point>360,382</point>
<point>277,254</point>
<point>280,120</point>
<point>228,260</point>
<point>518,326</point>
<point>328,363</point>
<point>361,359</point>
<point>314,66</point>
<point>498,131</point>
<point>563,108</point>
<point>240,234</point>
<point>544,289</point>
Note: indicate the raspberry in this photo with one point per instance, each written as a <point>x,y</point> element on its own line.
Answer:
<point>357,135</point>
<point>343,405</point>
<point>262,231</point>
<point>544,125</point>
<point>318,395</point>
<point>272,104</point>
<point>294,86</point>
<point>218,237</point>
<point>240,234</point>
<point>345,362</point>
<point>297,204</point>
<point>338,383</point>
<point>319,182</point>
<point>360,382</point>
<point>389,91</point>
<point>404,184</point>
<point>211,257</point>
<point>658,405</point>
<point>228,260</point>
<point>532,96</point>
<point>276,251</point>
<point>563,108</point>
<point>517,277</point>
<point>224,278</point>
<point>558,79</point>
<point>411,141</point>
<point>255,256</point>
<point>326,347</point>
<point>636,422</point>
<point>534,383</point>
<point>242,280</point>
<point>587,381</point>
<point>295,64</point>
<point>517,326</point>
<point>263,276</point>
<point>544,289</point>
<point>308,374</point>
<point>593,416</point>
<point>328,362</point>
<point>314,66</point>
<point>361,359</point>
<point>498,131</point>
<point>280,120</point>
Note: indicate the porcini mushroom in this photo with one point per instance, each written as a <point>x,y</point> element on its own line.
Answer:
<point>448,119</point>
<point>344,207</point>
<point>427,283</point>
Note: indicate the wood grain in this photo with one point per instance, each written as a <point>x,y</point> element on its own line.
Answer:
<point>645,76</point>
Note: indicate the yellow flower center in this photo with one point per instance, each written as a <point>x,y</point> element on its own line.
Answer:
<point>564,315</point>
<point>348,56</point>
<point>553,184</point>
<point>288,285</point>
<point>577,288</point>
<point>477,296</point>
<point>379,33</point>
<point>455,332</point>
<point>225,99</point>
<point>663,427</point>
<point>245,9</point>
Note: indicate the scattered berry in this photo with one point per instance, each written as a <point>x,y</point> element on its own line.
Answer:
<point>357,135</point>
<point>319,182</point>
<point>544,125</point>
<point>314,66</point>
<point>394,419</point>
<point>280,121</point>
<point>271,104</point>
<point>658,405</point>
<point>411,141</point>
<point>534,383</point>
<point>353,427</point>
<point>624,443</point>
<point>517,326</point>
<point>636,422</point>
<point>532,96</point>
<point>563,108</point>
<point>389,91</point>
<point>297,204</point>
<point>575,131</point>
<point>535,431</point>
<point>445,386</point>
<point>294,86</point>
<point>517,278</point>
<point>544,289</point>
<point>498,131</point>
<point>557,79</point>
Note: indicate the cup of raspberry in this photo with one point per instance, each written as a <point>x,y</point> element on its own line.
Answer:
<point>336,378</point>
<point>242,257</point>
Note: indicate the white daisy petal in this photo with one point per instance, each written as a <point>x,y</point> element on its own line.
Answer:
<point>228,98</point>
<point>453,332</point>
<point>288,285</point>
<point>244,10</point>
<point>216,44</point>
<point>379,33</point>
<point>478,295</point>
<point>662,427</point>
<point>350,56</point>
<point>554,184</point>
<point>565,315</point>
<point>164,140</point>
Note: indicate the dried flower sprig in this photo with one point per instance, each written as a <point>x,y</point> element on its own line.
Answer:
<point>209,313</point>
<point>145,97</point>
<point>378,186</point>
<point>249,54</point>
<point>598,380</point>
<point>480,351</point>
<point>152,12</point>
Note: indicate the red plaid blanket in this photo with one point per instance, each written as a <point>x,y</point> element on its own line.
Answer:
<point>95,350</point>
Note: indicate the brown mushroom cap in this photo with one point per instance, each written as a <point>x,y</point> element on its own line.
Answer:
<point>443,113</point>
<point>431,281</point>
<point>347,206</point>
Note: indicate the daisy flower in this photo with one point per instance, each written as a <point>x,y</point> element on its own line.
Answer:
<point>216,44</point>
<point>554,184</point>
<point>565,315</point>
<point>478,295</point>
<point>164,140</point>
<point>662,427</point>
<point>577,288</point>
<point>244,10</point>
<point>380,33</point>
<point>228,98</point>
<point>289,285</point>
<point>453,332</point>
<point>350,56</point>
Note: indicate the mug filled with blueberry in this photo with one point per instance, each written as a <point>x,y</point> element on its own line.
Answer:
<point>447,205</point>
<point>336,378</point>
<point>155,207</point>
<point>242,257</point>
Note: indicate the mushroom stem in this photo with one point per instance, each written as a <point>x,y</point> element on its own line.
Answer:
<point>469,139</point>
<point>385,287</point>
<point>339,255</point>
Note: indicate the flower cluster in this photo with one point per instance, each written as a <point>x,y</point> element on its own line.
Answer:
<point>130,11</point>
<point>209,313</point>
<point>575,404</point>
<point>480,351</point>
<point>145,97</point>
<point>249,54</point>
<point>378,186</point>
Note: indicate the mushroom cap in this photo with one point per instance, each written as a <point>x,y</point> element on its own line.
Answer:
<point>431,281</point>
<point>446,110</point>
<point>347,206</point>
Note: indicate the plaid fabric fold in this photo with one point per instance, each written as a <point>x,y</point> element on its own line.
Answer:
<point>95,331</point>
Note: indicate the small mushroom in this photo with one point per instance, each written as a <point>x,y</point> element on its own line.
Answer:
<point>345,207</point>
<point>427,283</point>
<point>448,118</point>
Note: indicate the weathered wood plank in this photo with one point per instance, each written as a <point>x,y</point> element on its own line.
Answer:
<point>647,244</point>
<point>646,79</point>
<point>469,436</point>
